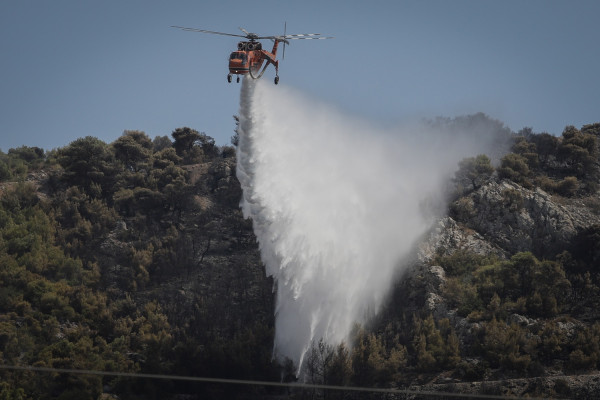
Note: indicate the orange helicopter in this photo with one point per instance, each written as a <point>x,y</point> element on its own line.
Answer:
<point>250,57</point>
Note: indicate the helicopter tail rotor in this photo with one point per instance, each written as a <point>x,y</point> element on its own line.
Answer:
<point>285,41</point>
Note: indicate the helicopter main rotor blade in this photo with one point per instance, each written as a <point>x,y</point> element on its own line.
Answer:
<point>301,36</point>
<point>254,36</point>
<point>205,31</point>
<point>307,36</point>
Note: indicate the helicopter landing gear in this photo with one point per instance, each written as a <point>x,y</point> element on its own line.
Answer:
<point>238,79</point>
<point>229,78</point>
<point>276,79</point>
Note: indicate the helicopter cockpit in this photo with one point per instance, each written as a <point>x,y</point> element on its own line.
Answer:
<point>239,55</point>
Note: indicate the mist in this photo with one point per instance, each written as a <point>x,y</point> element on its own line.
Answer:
<point>337,205</point>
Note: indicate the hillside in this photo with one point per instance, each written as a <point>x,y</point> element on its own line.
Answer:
<point>134,256</point>
<point>506,285</point>
<point>129,257</point>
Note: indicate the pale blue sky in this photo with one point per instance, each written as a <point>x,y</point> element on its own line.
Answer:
<point>75,68</point>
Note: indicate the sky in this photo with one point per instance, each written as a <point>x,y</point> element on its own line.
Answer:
<point>70,69</point>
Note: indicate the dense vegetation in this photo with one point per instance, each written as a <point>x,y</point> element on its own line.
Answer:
<point>83,256</point>
<point>566,165</point>
<point>133,257</point>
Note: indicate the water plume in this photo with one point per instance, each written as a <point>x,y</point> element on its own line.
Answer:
<point>336,203</point>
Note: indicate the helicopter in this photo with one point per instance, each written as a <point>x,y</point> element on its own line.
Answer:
<point>249,57</point>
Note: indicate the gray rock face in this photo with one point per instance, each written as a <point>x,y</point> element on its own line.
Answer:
<point>447,236</point>
<point>517,219</point>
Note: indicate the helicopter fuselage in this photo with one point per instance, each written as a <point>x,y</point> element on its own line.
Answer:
<point>249,58</point>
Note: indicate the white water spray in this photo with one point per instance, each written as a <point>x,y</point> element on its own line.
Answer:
<point>336,205</point>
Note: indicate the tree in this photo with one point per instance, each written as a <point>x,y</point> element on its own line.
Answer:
<point>166,157</point>
<point>591,129</point>
<point>133,148</point>
<point>22,196</point>
<point>546,146</point>
<point>568,186</point>
<point>474,170</point>
<point>5,173</point>
<point>507,346</point>
<point>31,155</point>
<point>160,143</point>
<point>586,249</point>
<point>586,348</point>
<point>209,149</point>
<point>340,367</point>
<point>87,162</point>
<point>7,392</point>
<point>318,359</point>
<point>578,151</point>
<point>235,139</point>
<point>436,344</point>
<point>187,144</point>
<point>368,356</point>
<point>193,146</point>
<point>527,150</point>
<point>514,167</point>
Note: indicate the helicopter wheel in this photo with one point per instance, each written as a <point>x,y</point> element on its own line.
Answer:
<point>276,80</point>
<point>229,78</point>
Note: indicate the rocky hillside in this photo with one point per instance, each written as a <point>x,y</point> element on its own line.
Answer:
<point>134,257</point>
<point>485,234</point>
<point>512,272</point>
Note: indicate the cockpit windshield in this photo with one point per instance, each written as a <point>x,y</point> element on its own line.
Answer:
<point>238,55</point>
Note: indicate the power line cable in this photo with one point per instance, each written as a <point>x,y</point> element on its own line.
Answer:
<point>294,385</point>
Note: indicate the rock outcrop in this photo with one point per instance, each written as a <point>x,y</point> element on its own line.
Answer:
<point>517,219</point>
<point>447,236</point>
<point>500,219</point>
